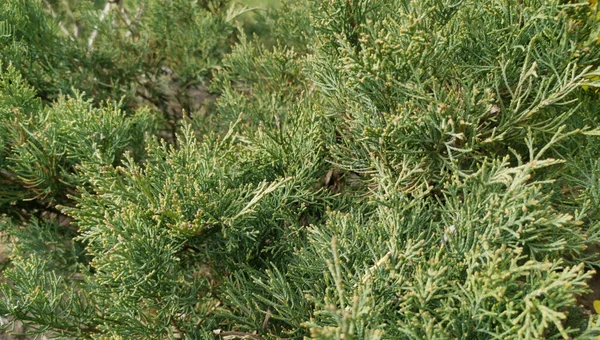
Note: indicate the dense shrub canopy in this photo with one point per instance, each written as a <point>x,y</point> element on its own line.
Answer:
<point>344,169</point>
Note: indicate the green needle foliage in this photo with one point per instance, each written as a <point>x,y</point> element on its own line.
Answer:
<point>345,169</point>
<point>44,144</point>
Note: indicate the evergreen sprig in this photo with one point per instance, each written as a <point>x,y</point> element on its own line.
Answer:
<point>348,169</point>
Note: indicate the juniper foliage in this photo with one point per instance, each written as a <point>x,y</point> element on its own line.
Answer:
<point>349,169</point>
